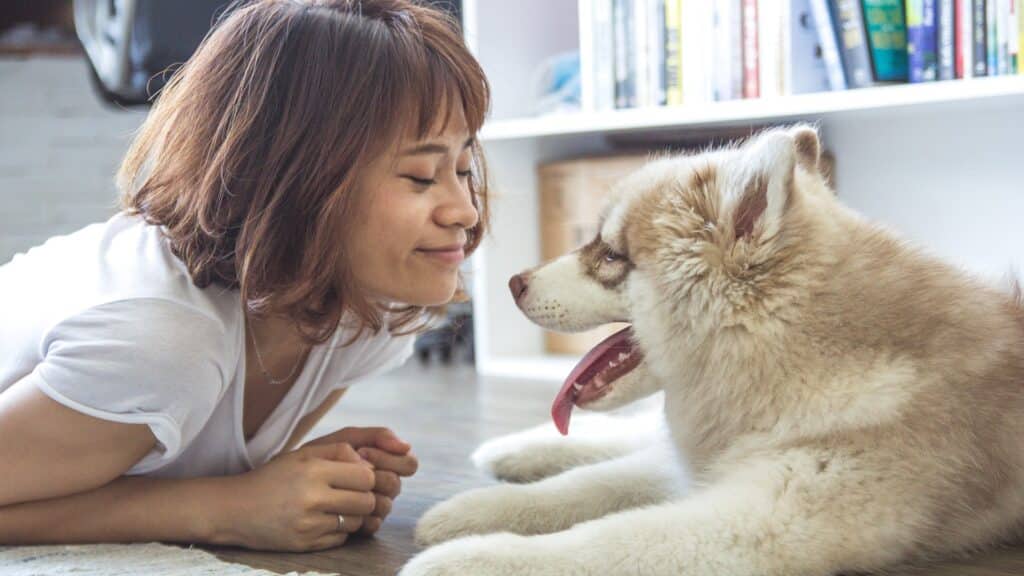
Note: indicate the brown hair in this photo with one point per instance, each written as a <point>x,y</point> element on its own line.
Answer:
<point>250,155</point>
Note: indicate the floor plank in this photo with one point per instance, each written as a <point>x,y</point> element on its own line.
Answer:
<point>445,412</point>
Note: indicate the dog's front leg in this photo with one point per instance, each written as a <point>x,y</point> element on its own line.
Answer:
<point>784,516</point>
<point>584,493</point>
<point>542,452</point>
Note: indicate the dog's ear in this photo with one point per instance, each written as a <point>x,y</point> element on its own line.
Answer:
<point>767,163</point>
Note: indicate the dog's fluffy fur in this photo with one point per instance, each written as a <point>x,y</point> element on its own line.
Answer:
<point>841,401</point>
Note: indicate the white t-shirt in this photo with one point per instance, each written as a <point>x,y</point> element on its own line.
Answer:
<point>107,322</point>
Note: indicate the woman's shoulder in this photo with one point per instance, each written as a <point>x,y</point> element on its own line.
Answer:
<point>121,264</point>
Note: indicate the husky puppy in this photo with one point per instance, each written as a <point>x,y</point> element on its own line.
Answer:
<point>834,399</point>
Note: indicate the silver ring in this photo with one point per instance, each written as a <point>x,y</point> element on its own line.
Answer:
<point>341,522</point>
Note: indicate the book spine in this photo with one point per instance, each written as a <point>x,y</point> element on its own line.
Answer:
<point>921,40</point>
<point>1014,37</point>
<point>964,43</point>
<point>721,73</point>
<point>588,92</point>
<point>621,66</point>
<point>656,52</point>
<point>673,53</point>
<point>736,47</point>
<point>769,33</point>
<point>1020,36</point>
<point>604,55</point>
<point>849,21</point>
<point>991,41</point>
<point>804,64</point>
<point>829,44</point>
<point>751,76</point>
<point>887,37</point>
<point>979,40</point>
<point>1003,37</point>
<point>944,16</point>
<point>641,54</point>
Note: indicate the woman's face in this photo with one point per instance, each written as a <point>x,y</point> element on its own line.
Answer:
<point>407,239</point>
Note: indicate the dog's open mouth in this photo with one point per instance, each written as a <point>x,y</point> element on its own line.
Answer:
<point>595,375</point>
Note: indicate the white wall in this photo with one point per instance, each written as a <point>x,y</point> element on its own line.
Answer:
<point>59,150</point>
<point>950,178</point>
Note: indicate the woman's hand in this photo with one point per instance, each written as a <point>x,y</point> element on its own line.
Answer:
<point>391,458</point>
<point>292,503</point>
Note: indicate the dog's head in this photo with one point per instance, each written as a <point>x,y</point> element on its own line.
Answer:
<point>687,246</point>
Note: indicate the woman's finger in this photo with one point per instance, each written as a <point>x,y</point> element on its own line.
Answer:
<point>387,483</point>
<point>349,503</point>
<point>329,540</point>
<point>329,523</point>
<point>405,465</point>
<point>383,507</point>
<point>371,524</point>
<point>348,476</point>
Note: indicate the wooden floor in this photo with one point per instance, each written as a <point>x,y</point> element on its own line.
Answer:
<point>445,412</point>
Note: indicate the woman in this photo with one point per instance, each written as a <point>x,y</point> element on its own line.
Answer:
<point>295,206</point>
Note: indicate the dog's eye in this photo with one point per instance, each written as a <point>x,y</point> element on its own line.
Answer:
<point>612,257</point>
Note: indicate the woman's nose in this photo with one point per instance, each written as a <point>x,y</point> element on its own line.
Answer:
<point>457,209</point>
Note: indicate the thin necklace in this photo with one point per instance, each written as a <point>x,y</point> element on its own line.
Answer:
<point>259,360</point>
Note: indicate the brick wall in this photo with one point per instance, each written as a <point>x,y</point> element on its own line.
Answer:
<point>59,149</point>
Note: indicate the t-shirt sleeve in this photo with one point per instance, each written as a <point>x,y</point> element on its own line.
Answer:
<point>140,361</point>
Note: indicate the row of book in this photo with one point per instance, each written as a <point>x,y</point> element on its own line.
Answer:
<point>639,53</point>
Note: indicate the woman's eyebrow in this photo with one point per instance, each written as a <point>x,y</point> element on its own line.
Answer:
<point>434,148</point>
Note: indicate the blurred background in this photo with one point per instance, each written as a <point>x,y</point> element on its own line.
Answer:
<point>920,104</point>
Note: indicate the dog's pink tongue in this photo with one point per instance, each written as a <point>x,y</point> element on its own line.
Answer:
<point>561,409</point>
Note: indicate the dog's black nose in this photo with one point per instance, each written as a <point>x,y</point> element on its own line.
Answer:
<point>518,284</point>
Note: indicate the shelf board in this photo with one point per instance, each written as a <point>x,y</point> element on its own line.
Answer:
<point>737,112</point>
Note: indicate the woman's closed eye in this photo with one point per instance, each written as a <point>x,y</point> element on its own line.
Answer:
<point>420,181</point>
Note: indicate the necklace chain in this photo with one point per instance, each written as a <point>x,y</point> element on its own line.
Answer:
<point>262,366</point>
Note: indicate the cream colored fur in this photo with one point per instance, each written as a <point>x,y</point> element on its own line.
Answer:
<point>836,399</point>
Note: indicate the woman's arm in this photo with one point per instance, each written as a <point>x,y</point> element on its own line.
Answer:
<point>48,450</point>
<point>129,509</point>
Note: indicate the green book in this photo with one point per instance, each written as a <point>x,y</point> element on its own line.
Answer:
<point>887,37</point>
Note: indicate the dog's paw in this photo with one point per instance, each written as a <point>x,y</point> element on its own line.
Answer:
<point>519,460</point>
<point>491,555</point>
<point>481,511</point>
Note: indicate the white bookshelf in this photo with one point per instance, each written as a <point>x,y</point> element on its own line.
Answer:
<point>941,163</point>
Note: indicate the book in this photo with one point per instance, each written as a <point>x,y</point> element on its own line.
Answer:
<point>673,53</point>
<point>979,39</point>
<point>728,63</point>
<point>1002,37</point>
<point>944,39</point>
<point>656,52</point>
<point>625,95</point>
<point>991,41</point>
<point>852,40</point>
<point>887,38</point>
<point>588,56</point>
<point>962,40</point>
<point>640,54</point>
<point>698,57</point>
<point>829,44</point>
<point>751,72</point>
<point>769,47</point>
<point>921,40</point>
<point>602,40</point>
<point>803,56</point>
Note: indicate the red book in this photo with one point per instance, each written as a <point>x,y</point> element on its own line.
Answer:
<point>751,70</point>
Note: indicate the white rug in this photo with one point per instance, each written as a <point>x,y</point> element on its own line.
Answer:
<point>120,560</point>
